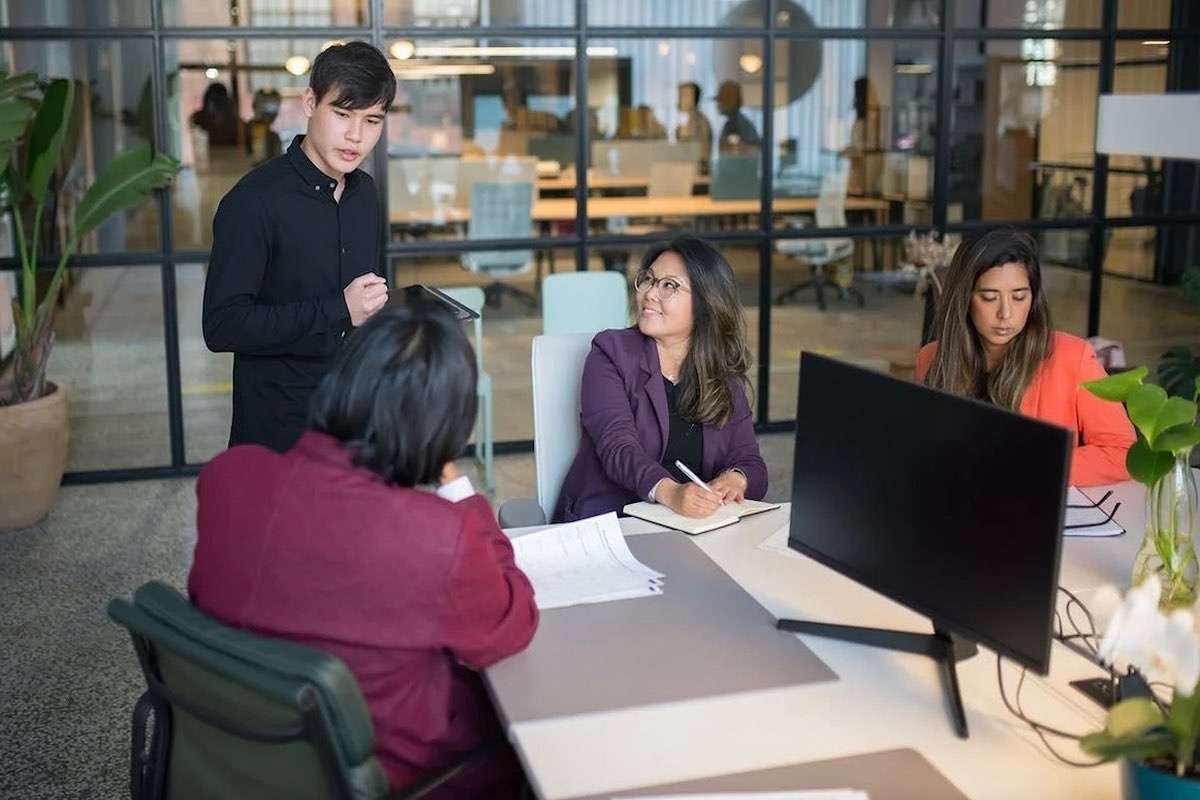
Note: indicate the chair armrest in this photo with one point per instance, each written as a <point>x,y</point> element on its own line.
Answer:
<point>520,512</point>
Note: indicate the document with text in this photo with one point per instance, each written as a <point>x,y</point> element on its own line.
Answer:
<point>583,562</point>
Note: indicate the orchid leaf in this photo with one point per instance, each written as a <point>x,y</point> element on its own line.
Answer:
<point>1146,466</point>
<point>1117,387</point>
<point>1105,746</point>
<point>1133,716</point>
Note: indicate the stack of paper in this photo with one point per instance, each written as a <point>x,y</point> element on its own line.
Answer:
<point>1086,517</point>
<point>583,562</point>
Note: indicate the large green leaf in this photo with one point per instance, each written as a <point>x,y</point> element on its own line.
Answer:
<point>127,181</point>
<point>1117,387</point>
<point>1175,412</point>
<point>1108,747</point>
<point>1178,439</point>
<point>1178,370</point>
<point>1144,405</point>
<point>46,137</point>
<point>1145,465</point>
<point>15,112</point>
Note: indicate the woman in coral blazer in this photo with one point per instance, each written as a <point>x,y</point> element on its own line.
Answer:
<point>995,342</point>
<point>671,389</point>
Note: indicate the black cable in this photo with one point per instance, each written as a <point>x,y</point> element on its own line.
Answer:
<point>1038,728</point>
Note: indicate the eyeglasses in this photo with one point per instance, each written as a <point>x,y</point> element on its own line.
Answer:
<point>667,287</point>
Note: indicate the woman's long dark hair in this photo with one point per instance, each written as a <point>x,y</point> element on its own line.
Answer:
<point>401,394</point>
<point>960,365</point>
<point>717,352</point>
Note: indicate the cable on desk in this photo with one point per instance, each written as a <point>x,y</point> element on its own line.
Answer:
<point>1014,708</point>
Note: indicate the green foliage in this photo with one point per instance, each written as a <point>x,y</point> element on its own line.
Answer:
<point>1166,426</point>
<point>32,131</point>
<point>1178,370</point>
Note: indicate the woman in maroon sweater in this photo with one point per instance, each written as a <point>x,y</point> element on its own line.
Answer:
<point>363,541</point>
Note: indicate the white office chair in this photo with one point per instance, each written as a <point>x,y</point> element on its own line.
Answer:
<point>584,302</point>
<point>557,371</point>
<point>472,298</point>
<point>501,211</point>
<point>820,253</point>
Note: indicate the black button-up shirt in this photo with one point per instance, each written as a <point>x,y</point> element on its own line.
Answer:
<point>283,251</point>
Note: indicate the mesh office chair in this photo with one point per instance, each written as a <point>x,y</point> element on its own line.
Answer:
<point>819,254</point>
<point>501,211</point>
<point>235,715</point>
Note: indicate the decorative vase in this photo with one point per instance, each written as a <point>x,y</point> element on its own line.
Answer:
<point>1141,782</point>
<point>33,456</point>
<point>1167,549</point>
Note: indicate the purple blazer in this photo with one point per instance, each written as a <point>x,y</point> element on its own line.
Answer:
<point>624,431</point>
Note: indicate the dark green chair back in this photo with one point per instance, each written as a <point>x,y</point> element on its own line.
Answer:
<point>237,715</point>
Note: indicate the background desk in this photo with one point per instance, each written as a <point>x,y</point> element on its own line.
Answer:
<point>882,700</point>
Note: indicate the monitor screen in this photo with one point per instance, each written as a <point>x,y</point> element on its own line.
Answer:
<point>948,505</point>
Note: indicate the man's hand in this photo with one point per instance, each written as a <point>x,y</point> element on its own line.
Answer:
<point>365,295</point>
<point>730,485</point>
<point>687,499</point>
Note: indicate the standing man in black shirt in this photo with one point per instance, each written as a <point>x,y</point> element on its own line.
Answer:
<point>297,250</point>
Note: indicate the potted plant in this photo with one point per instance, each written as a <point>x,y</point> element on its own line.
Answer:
<point>1155,738</point>
<point>1159,459</point>
<point>33,412</point>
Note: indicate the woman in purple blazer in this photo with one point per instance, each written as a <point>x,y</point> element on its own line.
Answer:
<point>672,388</point>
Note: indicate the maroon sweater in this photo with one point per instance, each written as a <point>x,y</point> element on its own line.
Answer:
<point>411,591</point>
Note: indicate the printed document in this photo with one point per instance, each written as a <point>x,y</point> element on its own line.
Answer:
<point>583,562</point>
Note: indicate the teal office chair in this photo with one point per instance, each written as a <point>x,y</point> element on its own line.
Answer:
<point>234,715</point>
<point>584,302</point>
<point>501,211</point>
<point>473,298</point>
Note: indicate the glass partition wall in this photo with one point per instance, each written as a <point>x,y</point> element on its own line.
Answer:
<point>805,138</point>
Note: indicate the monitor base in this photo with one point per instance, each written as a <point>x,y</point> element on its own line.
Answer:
<point>942,646</point>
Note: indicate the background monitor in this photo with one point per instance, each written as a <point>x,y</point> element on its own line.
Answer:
<point>948,505</point>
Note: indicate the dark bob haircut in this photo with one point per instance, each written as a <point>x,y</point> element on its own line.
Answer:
<point>357,72</point>
<point>401,394</point>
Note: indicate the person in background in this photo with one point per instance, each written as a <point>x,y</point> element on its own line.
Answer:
<point>697,128</point>
<point>994,341</point>
<point>296,252</point>
<point>218,117</point>
<point>738,132</point>
<point>671,388</point>
<point>363,540</point>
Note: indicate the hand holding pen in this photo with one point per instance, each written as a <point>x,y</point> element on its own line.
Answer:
<point>694,499</point>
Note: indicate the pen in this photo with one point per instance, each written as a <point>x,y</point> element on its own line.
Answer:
<point>694,478</point>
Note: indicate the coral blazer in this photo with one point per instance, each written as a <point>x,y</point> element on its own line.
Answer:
<point>1103,433</point>
<point>624,431</point>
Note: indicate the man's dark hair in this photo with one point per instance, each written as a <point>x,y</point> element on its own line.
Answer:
<point>401,394</point>
<point>357,72</point>
<point>695,87</point>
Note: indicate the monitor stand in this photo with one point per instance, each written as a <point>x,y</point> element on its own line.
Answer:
<point>942,646</point>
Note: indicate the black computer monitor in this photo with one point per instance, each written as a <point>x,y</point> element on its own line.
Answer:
<point>948,505</point>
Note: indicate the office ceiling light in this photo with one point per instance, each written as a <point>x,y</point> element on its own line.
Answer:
<point>415,71</point>
<point>750,62</point>
<point>488,51</point>
<point>664,48</point>
<point>914,69</point>
<point>211,73</point>
<point>1156,42</point>
<point>297,65</point>
<point>403,49</point>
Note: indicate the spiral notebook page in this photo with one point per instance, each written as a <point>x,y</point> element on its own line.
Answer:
<point>583,562</point>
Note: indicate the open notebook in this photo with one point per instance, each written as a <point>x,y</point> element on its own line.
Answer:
<point>728,514</point>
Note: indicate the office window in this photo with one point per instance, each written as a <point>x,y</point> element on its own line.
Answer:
<point>265,13</point>
<point>1033,14</point>
<point>485,13</point>
<point>109,354</point>
<point>113,113</point>
<point>1023,129</point>
<point>1143,14</point>
<point>1135,183</point>
<point>73,13</point>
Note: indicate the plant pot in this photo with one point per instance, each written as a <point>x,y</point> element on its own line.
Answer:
<point>1168,549</point>
<point>33,456</point>
<point>1140,782</point>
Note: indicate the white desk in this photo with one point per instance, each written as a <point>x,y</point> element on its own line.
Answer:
<point>882,700</point>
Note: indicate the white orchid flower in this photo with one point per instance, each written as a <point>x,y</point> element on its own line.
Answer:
<point>1136,627</point>
<point>1164,648</point>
